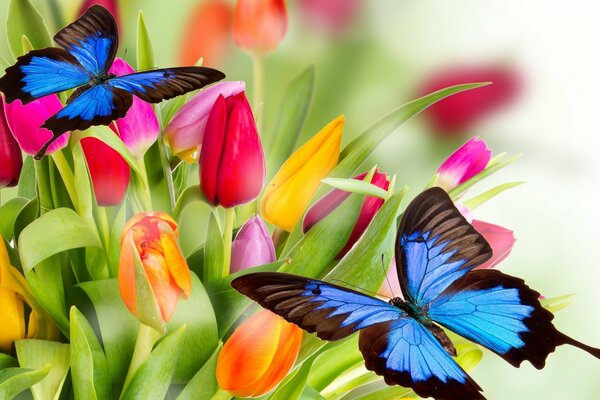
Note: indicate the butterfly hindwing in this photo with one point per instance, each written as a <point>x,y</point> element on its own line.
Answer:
<point>162,84</point>
<point>405,353</point>
<point>435,246</point>
<point>333,312</point>
<point>92,39</point>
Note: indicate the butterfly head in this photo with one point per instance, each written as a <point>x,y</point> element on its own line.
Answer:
<point>103,78</point>
<point>412,309</point>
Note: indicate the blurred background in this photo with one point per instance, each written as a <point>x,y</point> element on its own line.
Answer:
<point>371,56</point>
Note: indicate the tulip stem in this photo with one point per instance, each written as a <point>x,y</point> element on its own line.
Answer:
<point>221,395</point>
<point>227,239</point>
<point>167,172</point>
<point>67,176</point>
<point>258,93</point>
<point>146,338</point>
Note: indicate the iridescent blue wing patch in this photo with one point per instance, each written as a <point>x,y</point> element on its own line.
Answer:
<point>331,311</point>
<point>405,353</point>
<point>435,246</point>
<point>162,84</point>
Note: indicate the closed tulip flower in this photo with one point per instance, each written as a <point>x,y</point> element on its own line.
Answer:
<point>330,201</point>
<point>186,129</point>
<point>11,160</point>
<point>289,193</point>
<point>232,164</point>
<point>24,122</point>
<point>252,246</point>
<point>466,162</point>
<point>259,25</point>
<point>501,241</point>
<point>258,355</point>
<point>153,273</point>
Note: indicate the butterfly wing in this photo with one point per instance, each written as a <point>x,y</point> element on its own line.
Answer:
<point>405,353</point>
<point>92,39</point>
<point>333,312</point>
<point>435,246</point>
<point>162,84</point>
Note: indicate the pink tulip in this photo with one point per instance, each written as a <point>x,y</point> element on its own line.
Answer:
<point>467,161</point>
<point>110,5</point>
<point>139,128</point>
<point>330,15</point>
<point>252,246</point>
<point>11,160</point>
<point>25,121</point>
<point>500,239</point>
<point>186,130</point>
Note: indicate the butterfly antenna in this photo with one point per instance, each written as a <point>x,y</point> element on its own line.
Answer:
<point>125,53</point>
<point>386,275</point>
<point>356,287</point>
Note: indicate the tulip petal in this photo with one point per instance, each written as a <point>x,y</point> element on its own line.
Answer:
<point>212,149</point>
<point>126,273</point>
<point>11,160</point>
<point>466,162</point>
<point>259,25</point>
<point>500,239</point>
<point>12,319</point>
<point>176,263</point>
<point>252,246</point>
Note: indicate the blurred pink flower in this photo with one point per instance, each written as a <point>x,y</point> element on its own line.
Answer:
<point>467,161</point>
<point>110,5</point>
<point>500,239</point>
<point>11,160</point>
<point>457,114</point>
<point>185,132</point>
<point>139,128</point>
<point>25,120</point>
<point>332,16</point>
<point>252,246</point>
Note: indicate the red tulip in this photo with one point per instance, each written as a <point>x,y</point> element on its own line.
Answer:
<point>501,241</point>
<point>11,159</point>
<point>232,165</point>
<point>259,25</point>
<point>330,201</point>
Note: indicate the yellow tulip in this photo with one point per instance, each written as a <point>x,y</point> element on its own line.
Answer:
<point>289,193</point>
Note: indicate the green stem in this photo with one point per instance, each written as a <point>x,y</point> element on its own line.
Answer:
<point>144,193</point>
<point>64,169</point>
<point>143,347</point>
<point>227,239</point>
<point>221,395</point>
<point>168,173</point>
<point>258,94</point>
<point>44,191</point>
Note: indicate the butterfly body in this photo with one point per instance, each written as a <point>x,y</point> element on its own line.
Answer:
<point>403,339</point>
<point>89,46</point>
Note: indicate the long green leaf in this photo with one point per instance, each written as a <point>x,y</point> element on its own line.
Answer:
<point>145,51</point>
<point>356,186</point>
<point>8,215</point>
<point>24,20</point>
<point>292,387</point>
<point>204,384</point>
<point>15,380</point>
<point>214,250</point>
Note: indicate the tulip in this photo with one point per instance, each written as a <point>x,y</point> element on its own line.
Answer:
<point>460,112</point>
<point>185,131</point>
<point>501,241</point>
<point>293,186</point>
<point>232,164</point>
<point>110,5</point>
<point>333,16</point>
<point>139,128</point>
<point>259,25</point>
<point>252,246</point>
<point>24,121</point>
<point>207,34</point>
<point>108,170</point>
<point>258,355</point>
<point>330,201</point>
<point>11,159</point>
<point>467,161</point>
<point>152,270</point>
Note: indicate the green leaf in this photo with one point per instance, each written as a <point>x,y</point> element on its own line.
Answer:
<point>24,20</point>
<point>36,354</point>
<point>145,57</point>
<point>356,186</point>
<point>491,168</point>
<point>333,361</point>
<point>26,187</point>
<point>26,216</point>
<point>7,361</point>
<point>214,250</point>
<point>387,393</point>
<point>293,385</point>
<point>15,380</point>
<point>8,215</point>
<point>152,380</point>
<point>114,248</point>
<point>468,356</point>
<point>4,64</point>
<point>554,304</point>
<point>54,232</point>
<point>204,384</point>
<point>192,194</point>
<point>485,196</point>
<point>290,118</point>
<point>89,371</point>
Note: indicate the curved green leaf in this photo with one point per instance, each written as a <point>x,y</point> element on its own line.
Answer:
<point>356,186</point>
<point>24,20</point>
<point>204,384</point>
<point>292,387</point>
<point>15,380</point>
<point>145,57</point>
<point>8,215</point>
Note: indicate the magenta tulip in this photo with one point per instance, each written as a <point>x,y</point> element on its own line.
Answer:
<point>330,201</point>
<point>186,129</point>
<point>333,16</point>
<point>252,246</point>
<point>110,5</point>
<point>11,160</point>
<point>500,239</point>
<point>232,164</point>
<point>139,128</point>
<point>467,161</point>
<point>25,121</point>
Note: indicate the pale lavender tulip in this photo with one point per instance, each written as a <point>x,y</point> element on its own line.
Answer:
<point>467,161</point>
<point>185,132</point>
<point>252,246</point>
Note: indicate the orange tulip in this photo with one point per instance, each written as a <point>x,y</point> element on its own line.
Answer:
<point>259,25</point>
<point>152,271</point>
<point>258,355</point>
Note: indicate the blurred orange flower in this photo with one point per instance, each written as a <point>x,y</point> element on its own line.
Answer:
<point>259,25</point>
<point>258,355</point>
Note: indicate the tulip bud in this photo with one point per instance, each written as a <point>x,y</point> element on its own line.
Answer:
<point>139,128</point>
<point>467,161</point>
<point>259,25</point>
<point>108,170</point>
<point>152,270</point>
<point>258,355</point>
<point>501,241</point>
<point>252,246</point>
<point>186,129</point>
<point>11,159</point>
<point>458,113</point>
<point>232,164</point>
<point>24,121</point>
<point>330,201</point>
<point>291,189</point>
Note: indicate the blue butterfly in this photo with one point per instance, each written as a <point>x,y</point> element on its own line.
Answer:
<point>402,340</point>
<point>89,48</point>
